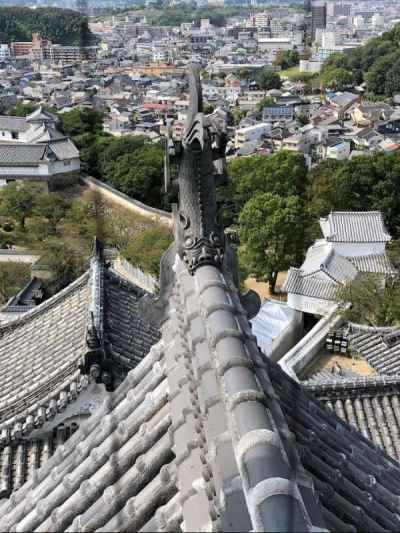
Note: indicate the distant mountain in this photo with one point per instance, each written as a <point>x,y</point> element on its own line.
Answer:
<point>61,26</point>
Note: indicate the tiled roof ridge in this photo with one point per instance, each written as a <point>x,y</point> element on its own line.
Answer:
<point>46,305</point>
<point>13,117</point>
<point>356,213</point>
<point>354,327</point>
<point>380,382</point>
<point>114,276</point>
<point>227,384</point>
<point>94,335</point>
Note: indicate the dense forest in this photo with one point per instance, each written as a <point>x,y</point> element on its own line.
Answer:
<point>377,63</point>
<point>61,26</point>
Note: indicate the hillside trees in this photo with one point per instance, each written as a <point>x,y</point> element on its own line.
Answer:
<point>377,63</point>
<point>362,183</point>
<point>61,26</point>
<point>131,164</point>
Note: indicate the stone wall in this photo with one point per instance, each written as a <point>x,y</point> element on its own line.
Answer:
<point>109,193</point>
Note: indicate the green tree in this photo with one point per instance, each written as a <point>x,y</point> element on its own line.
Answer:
<point>268,79</point>
<point>338,78</point>
<point>271,235</point>
<point>81,120</point>
<point>62,26</point>
<point>66,263</point>
<point>52,207</point>
<point>267,101</point>
<point>243,73</point>
<point>392,80</point>
<point>371,302</point>
<point>18,201</point>
<point>238,114</point>
<point>375,63</point>
<point>13,278</point>
<point>360,183</point>
<point>287,59</point>
<point>376,76</point>
<point>22,110</point>
<point>146,249</point>
<point>283,174</point>
<point>139,174</point>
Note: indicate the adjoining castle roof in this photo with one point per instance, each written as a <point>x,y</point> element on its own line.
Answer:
<point>354,227</point>
<point>34,154</point>
<point>43,351</point>
<point>370,404</point>
<point>321,257</point>
<point>206,434</point>
<point>373,263</point>
<point>384,357</point>
<point>298,282</point>
<point>15,124</point>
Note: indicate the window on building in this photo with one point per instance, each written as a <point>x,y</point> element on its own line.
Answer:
<point>14,135</point>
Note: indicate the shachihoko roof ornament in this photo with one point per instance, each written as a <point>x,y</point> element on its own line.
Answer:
<point>201,238</point>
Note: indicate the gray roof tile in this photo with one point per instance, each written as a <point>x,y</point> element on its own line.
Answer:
<point>354,226</point>
<point>16,124</point>
<point>297,282</point>
<point>19,154</point>
<point>372,345</point>
<point>242,433</point>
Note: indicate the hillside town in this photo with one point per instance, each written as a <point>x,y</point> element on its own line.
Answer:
<point>134,74</point>
<point>200,268</point>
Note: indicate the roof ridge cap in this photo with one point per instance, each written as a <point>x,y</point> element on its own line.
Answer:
<point>94,331</point>
<point>263,436</point>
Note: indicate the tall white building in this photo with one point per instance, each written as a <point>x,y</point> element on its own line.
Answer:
<point>328,39</point>
<point>4,51</point>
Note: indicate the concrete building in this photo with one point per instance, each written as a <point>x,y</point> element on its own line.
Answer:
<point>40,49</point>
<point>318,16</point>
<point>20,48</point>
<point>4,51</point>
<point>251,133</point>
<point>309,65</point>
<point>274,44</point>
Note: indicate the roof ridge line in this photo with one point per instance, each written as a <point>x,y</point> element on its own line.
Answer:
<point>94,331</point>
<point>348,382</point>
<point>44,306</point>
<point>240,374</point>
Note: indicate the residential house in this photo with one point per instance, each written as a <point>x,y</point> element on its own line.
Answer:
<point>251,133</point>
<point>273,113</point>
<point>342,102</point>
<point>368,114</point>
<point>390,126</point>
